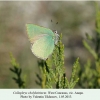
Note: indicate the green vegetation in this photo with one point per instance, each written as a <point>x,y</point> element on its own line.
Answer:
<point>17,71</point>
<point>53,70</point>
<point>90,74</point>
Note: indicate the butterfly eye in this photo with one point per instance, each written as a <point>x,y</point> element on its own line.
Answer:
<point>55,32</point>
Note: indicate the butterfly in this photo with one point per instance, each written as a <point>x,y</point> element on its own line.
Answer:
<point>43,40</point>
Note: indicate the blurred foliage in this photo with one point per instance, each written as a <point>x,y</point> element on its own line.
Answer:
<point>18,71</point>
<point>53,71</point>
<point>90,74</point>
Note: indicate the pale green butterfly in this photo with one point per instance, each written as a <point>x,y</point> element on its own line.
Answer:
<point>43,40</point>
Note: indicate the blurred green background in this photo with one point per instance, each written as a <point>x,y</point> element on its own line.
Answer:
<point>74,18</point>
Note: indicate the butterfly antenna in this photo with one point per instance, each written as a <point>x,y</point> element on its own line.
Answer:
<point>56,22</point>
<point>52,21</point>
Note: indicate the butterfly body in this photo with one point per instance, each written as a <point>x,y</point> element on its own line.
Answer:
<point>42,40</point>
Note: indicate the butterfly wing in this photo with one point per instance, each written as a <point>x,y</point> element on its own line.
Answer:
<point>43,47</point>
<point>35,32</point>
